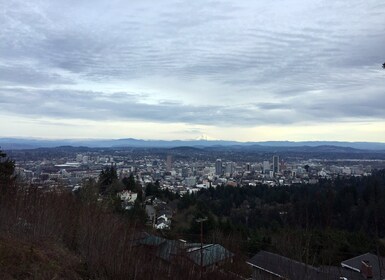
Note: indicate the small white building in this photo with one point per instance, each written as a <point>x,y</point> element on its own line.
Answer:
<point>128,196</point>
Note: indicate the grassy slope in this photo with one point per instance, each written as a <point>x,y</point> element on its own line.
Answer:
<point>26,260</point>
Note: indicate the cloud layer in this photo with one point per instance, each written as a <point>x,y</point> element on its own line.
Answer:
<point>212,63</point>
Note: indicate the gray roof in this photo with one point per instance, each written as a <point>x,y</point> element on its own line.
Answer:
<point>287,268</point>
<point>377,263</point>
<point>152,240</point>
<point>212,254</point>
<point>167,249</point>
<point>341,272</point>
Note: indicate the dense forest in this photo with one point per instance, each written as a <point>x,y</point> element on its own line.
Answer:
<point>322,223</point>
<point>354,204</point>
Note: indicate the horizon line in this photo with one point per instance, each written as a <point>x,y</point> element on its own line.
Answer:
<point>171,140</point>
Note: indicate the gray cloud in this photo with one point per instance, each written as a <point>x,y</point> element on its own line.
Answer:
<point>63,104</point>
<point>279,62</point>
<point>24,74</point>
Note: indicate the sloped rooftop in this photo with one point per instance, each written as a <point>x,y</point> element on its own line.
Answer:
<point>377,263</point>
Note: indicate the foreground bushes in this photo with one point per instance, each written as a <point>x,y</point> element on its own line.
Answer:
<point>106,243</point>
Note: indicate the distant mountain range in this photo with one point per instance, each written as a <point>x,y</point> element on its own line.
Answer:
<point>332,146</point>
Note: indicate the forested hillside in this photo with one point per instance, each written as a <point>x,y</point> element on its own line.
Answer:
<point>322,223</point>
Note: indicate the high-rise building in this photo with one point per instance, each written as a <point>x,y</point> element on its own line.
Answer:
<point>229,168</point>
<point>276,164</point>
<point>266,166</point>
<point>218,167</point>
<point>247,166</point>
<point>169,163</point>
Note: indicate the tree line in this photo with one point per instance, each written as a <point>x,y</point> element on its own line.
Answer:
<point>339,218</point>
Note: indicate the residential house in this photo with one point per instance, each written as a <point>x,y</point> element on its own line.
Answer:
<point>270,266</point>
<point>163,222</point>
<point>368,265</point>
<point>127,199</point>
<point>176,252</point>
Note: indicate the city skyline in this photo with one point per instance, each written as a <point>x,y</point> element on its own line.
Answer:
<point>215,70</point>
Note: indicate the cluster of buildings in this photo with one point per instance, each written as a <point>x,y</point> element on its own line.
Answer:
<point>180,174</point>
<point>187,174</point>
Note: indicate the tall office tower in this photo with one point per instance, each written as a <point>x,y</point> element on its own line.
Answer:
<point>229,168</point>
<point>266,166</point>
<point>275,164</point>
<point>169,163</point>
<point>218,167</point>
<point>247,166</point>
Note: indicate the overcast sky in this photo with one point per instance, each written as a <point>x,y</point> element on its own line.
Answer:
<point>234,70</point>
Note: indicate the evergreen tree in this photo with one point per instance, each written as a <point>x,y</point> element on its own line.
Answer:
<point>129,183</point>
<point>7,169</point>
<point>107,178</point>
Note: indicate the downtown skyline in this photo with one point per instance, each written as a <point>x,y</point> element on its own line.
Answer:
<point>230,70</point>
